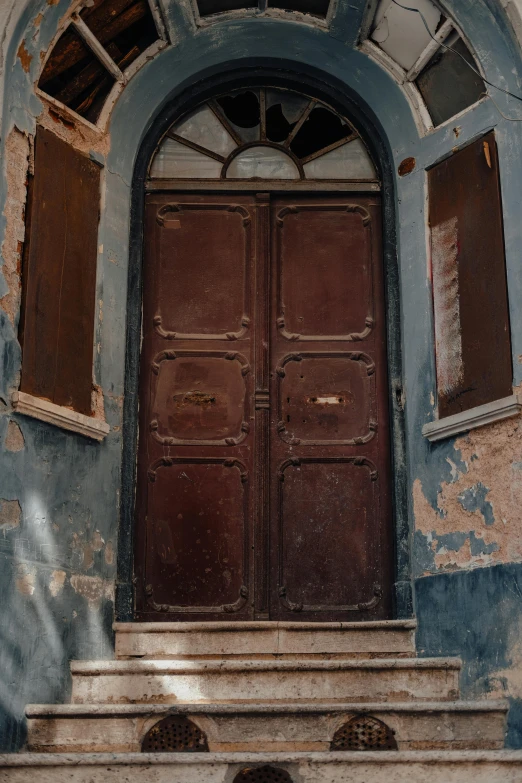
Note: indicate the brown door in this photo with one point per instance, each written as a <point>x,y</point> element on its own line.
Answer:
<point>263,464</point>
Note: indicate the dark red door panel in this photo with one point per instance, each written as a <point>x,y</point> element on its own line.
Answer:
<point>195,465</point>
<point>263,466</point>
<point>329,458</point>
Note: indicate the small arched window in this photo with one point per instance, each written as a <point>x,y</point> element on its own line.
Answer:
<point>263,133</point>
<point>103,40</point>
<point>429,49</point>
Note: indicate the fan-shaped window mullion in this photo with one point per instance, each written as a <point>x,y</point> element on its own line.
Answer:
<point>205,129</point>
<point>263,134</point>
<point>176,160</point>
<point>262,162</point>
<point>196,147</point>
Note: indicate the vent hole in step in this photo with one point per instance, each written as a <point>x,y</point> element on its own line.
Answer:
<point>174,734</point>
<point>363,732</point>
<point>265,774</point>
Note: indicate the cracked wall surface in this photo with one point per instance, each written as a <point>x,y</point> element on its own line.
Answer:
<point>60,493</point>
<point>476,519</point>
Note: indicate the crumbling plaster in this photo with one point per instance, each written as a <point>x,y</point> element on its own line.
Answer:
<point>17,155</point>
<point>476,520</point>
<point>58,546</point>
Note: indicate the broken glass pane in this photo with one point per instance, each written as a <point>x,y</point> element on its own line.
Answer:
<point>402,34</point>
<point>321,129</point>
<point>351,161</point>
<point>447,83</point>
<point>208,7</point>
<point>203,128</point>
<point>262,162</point>
<point>125,27</point>
<point>75,77</point>
<point>241,109</point>
<point>283,110</point>
<point>313,7</point>
<point>176,161</point>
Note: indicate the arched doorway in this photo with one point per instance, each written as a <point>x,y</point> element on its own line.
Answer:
<point>264,479</point>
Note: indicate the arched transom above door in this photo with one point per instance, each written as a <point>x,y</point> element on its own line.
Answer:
<point>263,133</point>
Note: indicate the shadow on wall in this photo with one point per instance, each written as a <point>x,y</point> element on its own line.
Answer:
<point>57,601</point>
<point>477,615</point>
<point>39,634</point>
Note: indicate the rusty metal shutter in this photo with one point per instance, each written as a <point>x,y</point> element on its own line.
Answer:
<point>59,275</point>
<point>473,348</point>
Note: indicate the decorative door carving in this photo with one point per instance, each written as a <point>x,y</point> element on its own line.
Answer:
<point>263,463</point>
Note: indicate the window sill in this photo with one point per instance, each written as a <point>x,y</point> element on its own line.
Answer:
<point>65,418</point>
<point>475,417</point>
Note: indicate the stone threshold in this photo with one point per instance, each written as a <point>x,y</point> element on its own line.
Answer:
<point>131,710</point>
<point>429,757</point>
<point>263,625</point>
<point>145,666</point>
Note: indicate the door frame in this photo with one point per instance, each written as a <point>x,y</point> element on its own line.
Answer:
<point>352,106</point>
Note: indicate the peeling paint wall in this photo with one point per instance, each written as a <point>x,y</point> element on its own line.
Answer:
<point>60,493</point>
<point>476,518</point>
<point>16,162</point>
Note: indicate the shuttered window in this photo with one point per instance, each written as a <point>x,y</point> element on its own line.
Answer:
<point>473,349</point>
<point>59,275</point>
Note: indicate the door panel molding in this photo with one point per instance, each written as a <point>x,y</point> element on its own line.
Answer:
<point>376,590</point>
<point>198,402</point>
<point>368,321</point>
<point>334,397</point>
<point>170,216</point>
<point>169,609</point>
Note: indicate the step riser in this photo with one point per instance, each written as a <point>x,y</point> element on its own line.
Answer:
<point>236,732</point>
<point>383,770</point>
<point>349,685</point>
<point>281,642</point>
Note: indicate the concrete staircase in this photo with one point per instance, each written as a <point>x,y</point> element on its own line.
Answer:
<point>266,702</point>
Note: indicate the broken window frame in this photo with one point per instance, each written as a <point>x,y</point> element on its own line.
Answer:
<point>409,77</point>
<point>121,77</point>
<point>263,9</point>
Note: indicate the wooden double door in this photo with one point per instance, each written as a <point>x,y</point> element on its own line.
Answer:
<point>264,456</point>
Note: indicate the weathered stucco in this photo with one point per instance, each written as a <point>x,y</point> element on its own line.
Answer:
<point>476,520</point>
<point>475,614</point>
<point>16,162</point>
<point>14,439</point>
<point>60,493</point>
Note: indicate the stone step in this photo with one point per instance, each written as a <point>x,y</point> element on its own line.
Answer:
<point>259,727</point>
<point>494,766</point>
<point>352,680</point>
<point>189,640</point>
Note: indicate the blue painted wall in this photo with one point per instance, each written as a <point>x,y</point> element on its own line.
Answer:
<point>476,615</point>
<point>68,489</point>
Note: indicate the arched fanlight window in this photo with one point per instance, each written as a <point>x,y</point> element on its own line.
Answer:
<point>263,133</point>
